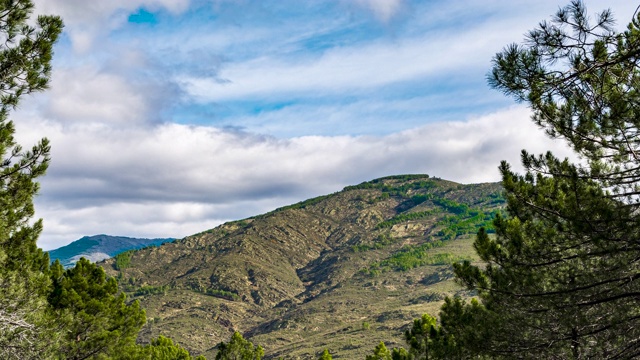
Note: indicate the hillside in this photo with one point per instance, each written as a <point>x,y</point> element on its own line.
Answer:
<point>342,271</point>
<point>99,247</point>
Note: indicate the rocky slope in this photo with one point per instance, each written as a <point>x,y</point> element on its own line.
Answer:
<point>342,271</point>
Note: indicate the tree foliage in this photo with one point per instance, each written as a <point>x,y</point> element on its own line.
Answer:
<point>561,279</point>
<point>161,348</point>
<point>47,312</point>
<point>25,54</point>
<point>380,353</point>
<point>98,321</point>
<point>239,349</point>
<point>326,355</point>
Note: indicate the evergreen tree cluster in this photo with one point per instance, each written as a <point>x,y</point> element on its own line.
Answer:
<point>47,312</point>
<point>561,278</point>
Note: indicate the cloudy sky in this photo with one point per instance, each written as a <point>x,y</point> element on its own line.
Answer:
<point>169,117</point>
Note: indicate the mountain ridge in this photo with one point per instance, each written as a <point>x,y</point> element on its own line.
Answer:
<point>309,275</point>
<point>100,247</point>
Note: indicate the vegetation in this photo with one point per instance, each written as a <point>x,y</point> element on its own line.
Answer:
<point>412,256</point>
<point>150,290</point>
<point>304,204</point>
<point>123,260</point>
<point>322,301</point>
<point>425,340</point>
<point>96,318</point>
<point>561,276</point>
<point>239,349</point>
<point>398,219</point>
<point>325,355</point>
<point>47,312</point>
<point>223,294</point>
<point>161,348</point>
<point>454,226</point>
<point>380,242</point>
<point>380,183</point>
<point>26,328</point>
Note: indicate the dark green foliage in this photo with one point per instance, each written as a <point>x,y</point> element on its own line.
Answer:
<point>239,349</point>
<point>379,183</point>
<point>465,328</point>
<point>380,353</point>
<point>412,256</point>
<point>421,337</point>
<point>380,242</point>
<point>223,294</point>
<point>454,226</point>
<point>562,276</point>
<point>26,328</point>
<point>45,311</point>
<point>426,340</point>
<point>452,206</point>
<point>161,348</point>
<point>123,260</point>
<point>97,319</point>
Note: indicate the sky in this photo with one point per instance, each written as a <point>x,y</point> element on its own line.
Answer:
<point>169,117</point>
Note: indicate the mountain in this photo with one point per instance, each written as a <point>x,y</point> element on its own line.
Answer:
<point>99,247</point>
<point>342,271</point>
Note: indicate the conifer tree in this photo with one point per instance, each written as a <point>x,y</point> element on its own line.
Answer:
<point>562,277</point>
<point>380,353</point>
<point>47,312</point>
<point>25,55</point>
<point>161,348</point>
<point>238,348</point>
<point>325,355</point>
<point>95,316</point>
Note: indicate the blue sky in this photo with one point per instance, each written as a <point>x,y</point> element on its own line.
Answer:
<point>168,117</point>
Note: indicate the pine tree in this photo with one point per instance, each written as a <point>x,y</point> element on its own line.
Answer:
<point>95,317</point>
<point>161,348</point>
<point>380,353</point>
<point>421,337</point>
<point>239,349</point>
<point>25,56</point>
<point>325,355</point>
<point>562,277</point>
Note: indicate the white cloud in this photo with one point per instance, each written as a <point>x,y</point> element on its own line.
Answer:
<point>366,66</point>
<point>87,21</point>
<point>175,180</point>
<point>118,169</point>
<point>85,95</point>
<point>383,9</point>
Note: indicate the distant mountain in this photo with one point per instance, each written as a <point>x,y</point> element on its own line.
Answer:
<point>100,247</point>
<point>341,272</point>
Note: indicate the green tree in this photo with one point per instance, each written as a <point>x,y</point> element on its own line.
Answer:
<point>239,349</point>
<point>161,348</point>
<point>380,353</point>
<point>427,340</point>
<point>421,336</point>
<point>45,312</point>
<point>25,55</point>
<point>325,355</point>
<point>400,354</point>
<point>98,320</point>
<point>562,275</point>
